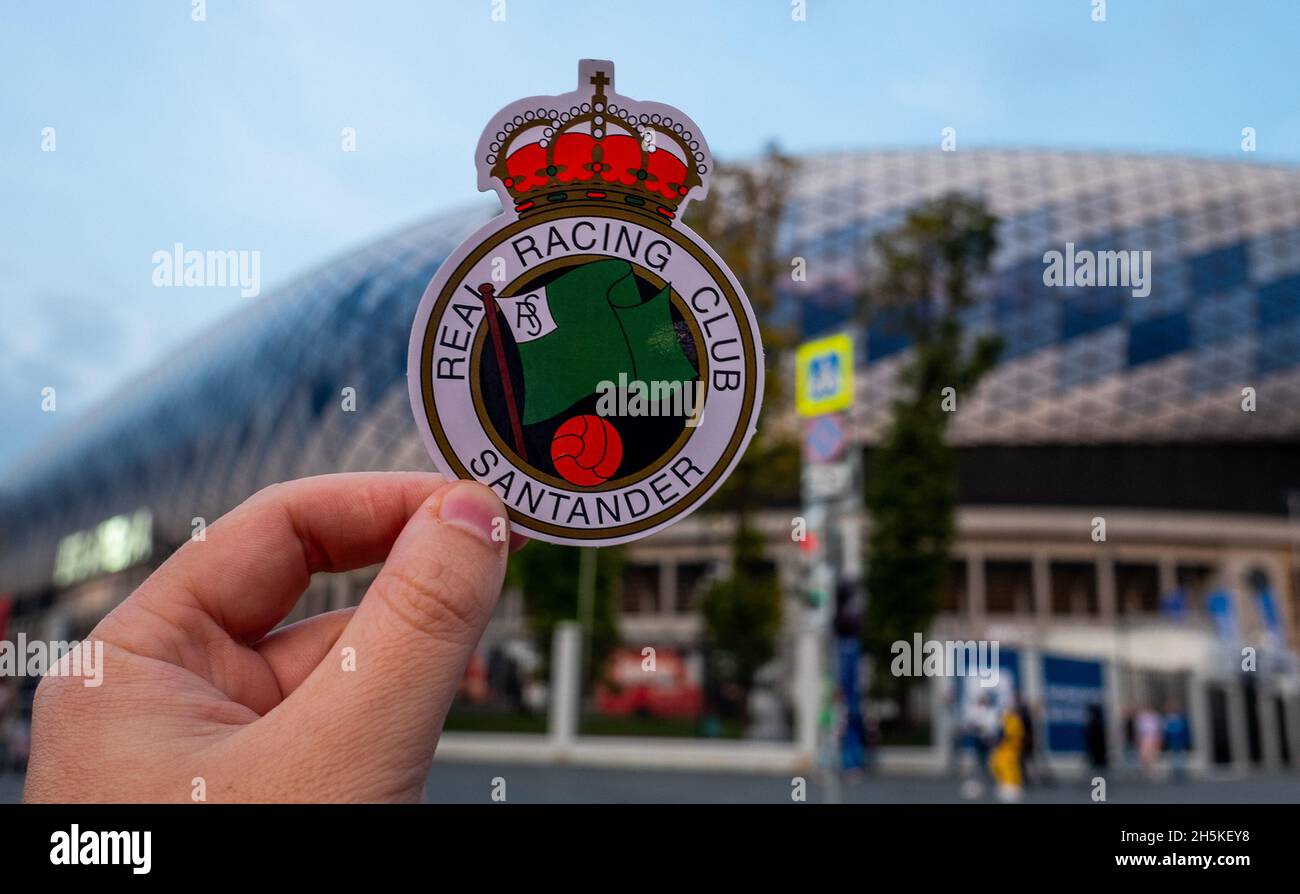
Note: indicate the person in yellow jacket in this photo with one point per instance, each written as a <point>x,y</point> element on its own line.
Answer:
<point>1004,762</point>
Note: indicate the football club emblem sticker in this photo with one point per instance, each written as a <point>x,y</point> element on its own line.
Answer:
<point>585,354</point>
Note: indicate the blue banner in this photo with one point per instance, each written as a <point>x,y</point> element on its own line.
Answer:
<point>1070,687</point>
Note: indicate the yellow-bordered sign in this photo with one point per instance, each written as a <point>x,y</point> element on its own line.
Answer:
<point>824,375</point>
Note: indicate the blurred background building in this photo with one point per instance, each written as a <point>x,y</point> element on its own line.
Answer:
<point>1103,406</point>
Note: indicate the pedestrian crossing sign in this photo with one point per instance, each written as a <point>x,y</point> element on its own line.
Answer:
<point>824,375</point>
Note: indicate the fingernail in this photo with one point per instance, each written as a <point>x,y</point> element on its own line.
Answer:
<point>474,508</point>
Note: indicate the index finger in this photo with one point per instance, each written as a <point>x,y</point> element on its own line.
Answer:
<point>257,559</point>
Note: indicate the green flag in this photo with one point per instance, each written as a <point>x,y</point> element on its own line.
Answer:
<point>602,328</point>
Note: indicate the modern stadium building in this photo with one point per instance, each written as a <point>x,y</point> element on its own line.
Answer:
<point>1173,417</point>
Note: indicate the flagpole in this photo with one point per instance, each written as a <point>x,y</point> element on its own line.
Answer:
<point>485,292</point>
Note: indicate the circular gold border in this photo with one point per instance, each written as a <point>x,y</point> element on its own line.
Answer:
<point>476,358</point>
<point>721,279</point>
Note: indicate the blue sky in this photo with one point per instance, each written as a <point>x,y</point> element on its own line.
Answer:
<point>225,134</point>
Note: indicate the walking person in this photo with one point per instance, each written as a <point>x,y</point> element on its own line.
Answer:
<point>1005,762</point>
<point>1177,740</point>
<point>1094,738</point>
<point>1150,735</point>
<point>980,731</point>
<point>1028,769</point>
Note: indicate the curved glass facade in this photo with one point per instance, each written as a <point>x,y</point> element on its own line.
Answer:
<point>1087,364</point>
<point>259,398</point>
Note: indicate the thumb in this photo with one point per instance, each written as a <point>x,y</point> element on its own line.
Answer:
<point>373,714</point>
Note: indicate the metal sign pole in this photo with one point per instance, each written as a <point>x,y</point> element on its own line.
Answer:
<point>831,486</point>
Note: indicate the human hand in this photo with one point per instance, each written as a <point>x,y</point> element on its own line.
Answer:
<point>194,687</point>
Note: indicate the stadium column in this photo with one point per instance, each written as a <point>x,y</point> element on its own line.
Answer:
<point>1269,731</point>
<point>942,694</point>
<point>1112,673</point>
<point>1168,569</point>
<point>667,586</point>
<point>1106,601</point>
<point>1271,687</point>
<point>808,688</point>
<point>1032,686</point>
<point>1042,571</point>
<point>1198,719</point>
<point>975,589</point>
<point>1121,686</point>
<point>1238,734</point>
<point>566,686</point>
<point>340,592</point>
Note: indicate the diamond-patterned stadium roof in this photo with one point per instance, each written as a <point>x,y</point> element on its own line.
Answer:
<point>1086,364</point>
<point>257,400</point>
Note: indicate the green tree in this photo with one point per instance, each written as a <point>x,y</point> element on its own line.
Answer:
<point>928,269</point>
<point>742,613</point>
<point>742,220</point>
<point>547,574</point>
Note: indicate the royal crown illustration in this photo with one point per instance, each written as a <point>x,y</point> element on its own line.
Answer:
<point>594,146</point>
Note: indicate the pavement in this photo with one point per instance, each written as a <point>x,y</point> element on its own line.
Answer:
<point>475,783</point>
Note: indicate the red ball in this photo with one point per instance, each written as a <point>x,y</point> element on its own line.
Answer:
<point>586,450</point>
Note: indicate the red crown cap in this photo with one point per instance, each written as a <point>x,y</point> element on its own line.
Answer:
<point>593,145</point>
